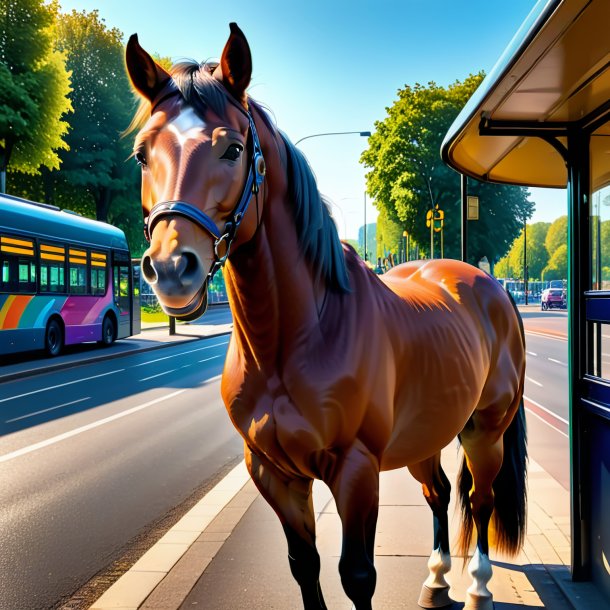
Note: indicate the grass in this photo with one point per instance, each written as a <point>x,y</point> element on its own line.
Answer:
<point>157,316</point>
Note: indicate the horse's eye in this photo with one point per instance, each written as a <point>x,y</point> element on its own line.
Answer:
<point>140,158</point>
<point>232,153</point>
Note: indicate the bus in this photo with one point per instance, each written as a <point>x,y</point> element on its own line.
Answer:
<point>65,279</point>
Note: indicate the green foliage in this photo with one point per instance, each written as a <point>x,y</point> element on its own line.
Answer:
<point>546,252</point>
<point>557,235</point>
<point>407,175</point>
<point>96,177</point>
<point>103,106</point>
<point>389,235</point>
<point>34,85</point>
<point>557,269</point>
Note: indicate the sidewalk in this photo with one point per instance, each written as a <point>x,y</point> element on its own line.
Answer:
<point>229,552</point>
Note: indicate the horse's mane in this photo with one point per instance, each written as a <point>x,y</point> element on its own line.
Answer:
<point>317,233</point>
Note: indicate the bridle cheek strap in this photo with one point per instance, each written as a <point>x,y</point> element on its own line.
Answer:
<point>256,175</point>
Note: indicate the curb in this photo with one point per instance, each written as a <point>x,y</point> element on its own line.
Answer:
<point>135,586</point>
<point>49,368</point>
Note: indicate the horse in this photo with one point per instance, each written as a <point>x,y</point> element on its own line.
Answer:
<point>332,372</point>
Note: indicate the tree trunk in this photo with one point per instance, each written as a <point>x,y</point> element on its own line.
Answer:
<point>103,199</point>
<point>5,155</point>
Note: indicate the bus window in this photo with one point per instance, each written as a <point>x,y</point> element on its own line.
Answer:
<point>27,275</point>
<point>78,271</point>
<point>98,274</point>
<point>52,271</point>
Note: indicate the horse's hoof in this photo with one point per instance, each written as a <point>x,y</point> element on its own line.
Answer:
<point>477,602</point>
<point>434,597</point>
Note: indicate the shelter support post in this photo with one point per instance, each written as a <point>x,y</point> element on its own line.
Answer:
<point>579,273</point>
<point>464,178</point>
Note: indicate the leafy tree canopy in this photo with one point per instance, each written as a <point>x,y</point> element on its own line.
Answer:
<point>557,235</point>
<point>389,235</point>
<point>408,176</point>
<point>557,269</point>
<point>34,85</point>
<point>103,105</point>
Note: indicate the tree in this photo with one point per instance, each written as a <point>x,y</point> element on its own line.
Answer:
<point>537,256</point>
<point>557,269</point>
<point>408,177</point>
<point>103,105</point>
<point>34,85</point>
<point>389,235</point>
<point>557,235</point>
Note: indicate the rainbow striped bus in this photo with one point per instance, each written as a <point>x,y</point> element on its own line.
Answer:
<point>65,279</point>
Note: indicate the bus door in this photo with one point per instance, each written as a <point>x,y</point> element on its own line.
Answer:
<point>122,290</point>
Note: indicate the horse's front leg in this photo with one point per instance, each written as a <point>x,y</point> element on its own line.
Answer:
<point>292,502</point>
<point>355,487</point>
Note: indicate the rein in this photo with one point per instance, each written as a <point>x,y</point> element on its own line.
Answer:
<point>256,176</point>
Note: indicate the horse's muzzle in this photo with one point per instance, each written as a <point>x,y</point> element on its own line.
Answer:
<point>180,283</point>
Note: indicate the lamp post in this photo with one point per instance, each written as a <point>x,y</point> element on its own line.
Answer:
<point>364,134</point>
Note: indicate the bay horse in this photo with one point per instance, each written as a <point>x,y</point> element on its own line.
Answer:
<point>332,372</point>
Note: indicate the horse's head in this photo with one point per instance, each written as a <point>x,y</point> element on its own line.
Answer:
<point>201,166</point>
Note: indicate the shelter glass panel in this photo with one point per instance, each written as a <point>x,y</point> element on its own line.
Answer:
<point>599,208</point>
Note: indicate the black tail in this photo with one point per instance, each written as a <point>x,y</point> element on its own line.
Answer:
<point>510,486</point>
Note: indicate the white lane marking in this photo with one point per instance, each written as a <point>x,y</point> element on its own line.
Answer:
<point>531,353</point>
<point>544,421</point>
<point>556,361</point>
<point>60,385</point>
<point>101,422</point>
<point>550,425</point>
<point>208,359</point>
<point>565,421</point>
<point>65,404</point>
<point>533,381</point>
<point>181,354</point>
<point>158,375</point>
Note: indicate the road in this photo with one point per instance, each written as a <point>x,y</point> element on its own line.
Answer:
<point>91,456</point>
<point>546,391</point>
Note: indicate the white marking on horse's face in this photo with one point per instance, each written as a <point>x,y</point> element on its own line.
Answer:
<point>187,125</point>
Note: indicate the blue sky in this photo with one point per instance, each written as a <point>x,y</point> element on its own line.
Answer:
<point>334,65</point>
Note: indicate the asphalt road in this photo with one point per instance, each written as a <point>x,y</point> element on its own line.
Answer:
<point>91,456</point>
<point>546,391</point>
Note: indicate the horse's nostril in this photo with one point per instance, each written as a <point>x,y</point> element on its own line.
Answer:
<point>189,265</point>
<point>148,270</point>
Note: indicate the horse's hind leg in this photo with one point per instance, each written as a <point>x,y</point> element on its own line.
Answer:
<point>436,489</point>
<point>292,502</point>
<point>355,487</point>
<point>484,460</point>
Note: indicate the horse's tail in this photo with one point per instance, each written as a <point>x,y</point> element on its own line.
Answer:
<point>509,487</point>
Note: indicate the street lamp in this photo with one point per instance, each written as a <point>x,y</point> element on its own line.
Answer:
<point>364,134</point>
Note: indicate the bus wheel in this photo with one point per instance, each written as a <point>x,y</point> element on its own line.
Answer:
<point>108,331</point>
<point>54,338</point>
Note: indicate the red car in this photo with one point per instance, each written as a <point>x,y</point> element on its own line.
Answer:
<point>553,297</point>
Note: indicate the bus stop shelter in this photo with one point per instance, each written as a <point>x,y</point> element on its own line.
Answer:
<point>542,118</point>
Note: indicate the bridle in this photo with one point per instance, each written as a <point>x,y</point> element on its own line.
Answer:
<point>256,176</point>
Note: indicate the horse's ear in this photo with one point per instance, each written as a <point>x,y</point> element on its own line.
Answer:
<point>236,64</point>
<point>146,75</point>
